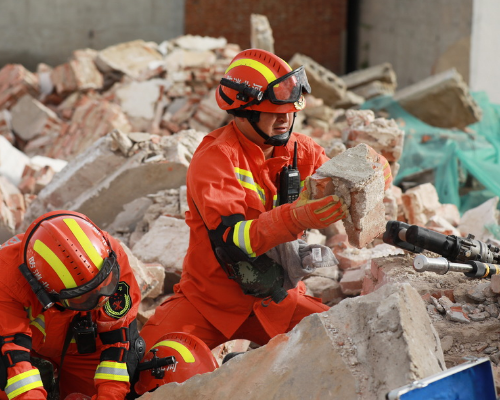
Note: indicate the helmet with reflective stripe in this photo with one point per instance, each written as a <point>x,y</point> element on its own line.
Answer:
<point>261,81</point>
<point>71,258</point>
<point>192,357</point>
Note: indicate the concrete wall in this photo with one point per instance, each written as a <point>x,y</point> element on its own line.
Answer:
<point>34,31</point>
<point>419,38</point>
<point>485,49</point>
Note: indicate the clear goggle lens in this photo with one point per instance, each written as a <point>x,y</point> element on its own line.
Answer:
<point>288,88</point>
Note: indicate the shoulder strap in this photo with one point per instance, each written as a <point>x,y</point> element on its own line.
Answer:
<point>67,340</point>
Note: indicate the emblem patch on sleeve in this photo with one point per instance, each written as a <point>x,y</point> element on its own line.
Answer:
<point>119,302</point>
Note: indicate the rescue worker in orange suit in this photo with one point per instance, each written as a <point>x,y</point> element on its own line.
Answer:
<point>67,295</point>
<point>229,288</point>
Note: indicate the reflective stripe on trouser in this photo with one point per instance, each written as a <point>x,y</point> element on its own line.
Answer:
<point>23,382</point>
<point>113,371</point>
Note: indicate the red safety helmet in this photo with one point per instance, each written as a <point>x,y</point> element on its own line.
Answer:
<point>261,81</point>
<point>192,357</point>
<point>67,259</point>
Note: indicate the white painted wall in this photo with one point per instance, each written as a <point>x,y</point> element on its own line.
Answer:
<point>485,49</point>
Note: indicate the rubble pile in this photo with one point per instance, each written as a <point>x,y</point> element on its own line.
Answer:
<point>325,358</point>
<point>111,133</point>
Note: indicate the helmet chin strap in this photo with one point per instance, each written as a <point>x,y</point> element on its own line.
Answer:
<point>278,140</point>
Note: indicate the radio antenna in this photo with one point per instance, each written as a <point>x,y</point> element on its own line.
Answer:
<point>294,165</point>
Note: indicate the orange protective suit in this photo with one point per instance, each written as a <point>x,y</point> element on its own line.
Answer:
<point>229,175</point>
<point>21,313</point>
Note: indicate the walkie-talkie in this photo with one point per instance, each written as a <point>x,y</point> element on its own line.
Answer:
<point>289,181</point>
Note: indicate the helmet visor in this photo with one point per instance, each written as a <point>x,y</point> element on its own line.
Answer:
<point>88,296</point>
<point>288,88</point>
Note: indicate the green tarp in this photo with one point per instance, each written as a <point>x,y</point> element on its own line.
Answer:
<point>452,154</point>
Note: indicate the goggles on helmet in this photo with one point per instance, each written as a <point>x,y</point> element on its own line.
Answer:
<point>87,296</point>
<point>288,88</point>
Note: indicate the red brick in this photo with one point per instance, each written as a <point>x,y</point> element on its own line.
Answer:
<point>297,28</point>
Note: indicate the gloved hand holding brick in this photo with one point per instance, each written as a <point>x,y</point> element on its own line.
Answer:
<point>317,214</point>
<point>360,177</point>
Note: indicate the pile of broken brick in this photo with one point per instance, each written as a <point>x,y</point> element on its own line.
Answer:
<point>111,133</point>
<point>82,134</point>
<point>129,109</point>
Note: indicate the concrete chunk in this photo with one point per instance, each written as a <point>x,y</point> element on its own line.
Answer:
<point>15,82</point>
<point>12,161</point>
<point>92,119</point>
<point>476,220</point>
<point>139,100</point>
<point>208,114</point>
<point>374,89</point>
<point>381,73</point>
<point>150,167</point>
<point>261,35</point>
<point>324,83</point>
<point>12,209</point>
<point>360,349</point>
<point>358,179</point>
<point>6,126</point>
<point>420,203</point>
<point>373,81</point>
<point>382,134</point>
<point>30,118</point>
<point>80,73</point>
<point>442,100</point>
<point>166,243</point>
<point>131,58</point>
<point>147,282</point>
<point>199,43</point>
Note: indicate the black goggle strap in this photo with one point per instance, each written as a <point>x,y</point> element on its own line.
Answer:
<point>250,115</point>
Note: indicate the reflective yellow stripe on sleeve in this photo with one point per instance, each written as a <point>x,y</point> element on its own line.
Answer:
<point>275,201</point>
<point>241,237</point>
<point>246,180</point>
<point>112,371</point>
<point>38,321</point>
<point>23,382</point>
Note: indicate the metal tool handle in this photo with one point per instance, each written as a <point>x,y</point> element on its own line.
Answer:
<point>439,265</point>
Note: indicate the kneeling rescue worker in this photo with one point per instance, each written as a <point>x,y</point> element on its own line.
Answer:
<point>229,288</point>
<point>68,295</point>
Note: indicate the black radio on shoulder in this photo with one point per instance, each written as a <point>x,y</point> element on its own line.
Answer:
<point>289,181</point>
